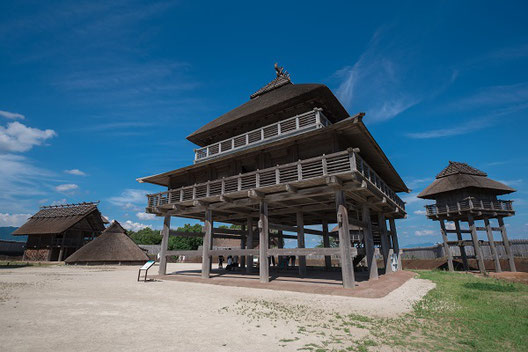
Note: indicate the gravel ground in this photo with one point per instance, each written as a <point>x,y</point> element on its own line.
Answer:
<point>68,308</point>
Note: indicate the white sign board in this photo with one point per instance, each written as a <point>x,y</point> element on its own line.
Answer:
<point>147,265</point>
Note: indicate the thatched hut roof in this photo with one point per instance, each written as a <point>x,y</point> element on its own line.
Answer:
<point>59,218</point>
<point>267,104</point>
<point>458,176</point>
<point>113,246</point>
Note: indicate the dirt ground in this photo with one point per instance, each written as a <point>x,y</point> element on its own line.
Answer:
<point>68,308</point>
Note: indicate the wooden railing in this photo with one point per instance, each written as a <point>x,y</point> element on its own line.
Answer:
<point>301,123</point>
<point>326,165</point>
<point>469,204</point>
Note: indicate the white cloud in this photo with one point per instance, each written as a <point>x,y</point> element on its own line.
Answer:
<point>13,219</point>
<point>59,202</point>
<point>450,225</point>
<point>66,187</point>
<point>11,115</point>
<point>76,172</point>
<point>134,226</point>
<point>145,216</point>
<point>463,128</point>
<point>420,212</point>
<point>421,233</point>
<point>17,137</point>
<point>130,199</point>
<point>411,198</point>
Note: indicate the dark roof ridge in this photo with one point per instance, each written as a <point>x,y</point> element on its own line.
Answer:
<point>456,167</point>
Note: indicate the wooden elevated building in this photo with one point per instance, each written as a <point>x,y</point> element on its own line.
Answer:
<point>465,194</point>
<point>56,231</point>
<point>289,157</point>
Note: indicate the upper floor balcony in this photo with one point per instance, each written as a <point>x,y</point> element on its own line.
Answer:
<point>294,125</point>
<point>342,163</point>
<point>503,207</point>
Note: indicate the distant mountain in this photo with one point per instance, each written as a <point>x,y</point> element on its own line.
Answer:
<point>5,234</point>
<point>414,245</point>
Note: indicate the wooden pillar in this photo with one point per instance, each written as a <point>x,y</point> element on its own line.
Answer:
<point>395,244</point>
<point>461,246</point>
<point>326,244</point>
<point>207,243</point>
<point>347,266</point>
<point>263,242</point>
<point>447,251</point>
<point>476,245</point>
<point>300,242</point>
<point>280,243</point>
<point>249,245</point>
<point>507,246</point>
<point>243,246</point>
<point>164,245</point>
<point>368,240</point>
<point>493,249</point>
<point>384,241</point>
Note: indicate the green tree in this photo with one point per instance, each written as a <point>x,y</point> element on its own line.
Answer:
<point>186,243</point>
<point>333,243</point>
<point>146,236</point>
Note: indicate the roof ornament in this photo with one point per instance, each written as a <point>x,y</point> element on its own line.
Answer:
<point>280,71</point>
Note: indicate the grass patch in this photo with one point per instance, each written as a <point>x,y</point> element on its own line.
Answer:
<point>463,313</point>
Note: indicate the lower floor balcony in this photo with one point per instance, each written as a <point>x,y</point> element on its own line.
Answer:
<point>307,185</point>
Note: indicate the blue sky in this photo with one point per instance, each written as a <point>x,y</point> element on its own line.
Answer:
<point>96,94</point>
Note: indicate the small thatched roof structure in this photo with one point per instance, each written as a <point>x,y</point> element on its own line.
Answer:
<point>56,219</point>
<point>112,247</point>
<point>457,176</point>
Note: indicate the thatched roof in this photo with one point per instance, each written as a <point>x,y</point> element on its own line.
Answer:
<point>59,218</point>
<point>268,102</point>
<point>458,176</point>
<point>113,246</point>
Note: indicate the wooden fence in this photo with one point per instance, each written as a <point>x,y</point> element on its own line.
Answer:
<point>519,249</point>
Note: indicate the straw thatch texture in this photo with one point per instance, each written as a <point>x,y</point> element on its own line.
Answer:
<point>112,247</point>
<point>57,219</point>
<point>457,176</point>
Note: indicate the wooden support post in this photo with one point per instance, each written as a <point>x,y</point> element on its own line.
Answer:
<point>506,243</point>
<point>447,251</point>
<point>300,243</point>
<point>395,244</point>
<point>61,253</point>
<point>368,240</point>
<point>263,242</point>
<point>280,237</point>
<point>461,246</point>
<point>476,245</point>
<point>382,224</point>
<point>164,245</point>
<point>207,244</point>
<point>493,249</point>
<point>249,245</point>
<point>347,266</point>
<point>243,246</point>
<point>326,244</point>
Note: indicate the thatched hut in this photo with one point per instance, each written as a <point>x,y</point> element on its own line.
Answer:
<point>112,247</point>
<point>57,231</point>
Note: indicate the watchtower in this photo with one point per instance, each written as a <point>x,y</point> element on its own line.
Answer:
<point>465,194</point>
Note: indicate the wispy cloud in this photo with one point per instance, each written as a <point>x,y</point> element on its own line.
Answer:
<point>11,115</point>
<point>494,96</point>
<point>421,233</point>
<point>17,137</point>
<point>67,187</point>
<point>7,219</point>
<point>145,216</point>
<point>75,172</point>
<point>130,199</point>
<point>378,82</point>
<point>420,212</point>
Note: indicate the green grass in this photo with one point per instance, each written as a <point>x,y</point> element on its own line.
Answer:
<point>463,313</point>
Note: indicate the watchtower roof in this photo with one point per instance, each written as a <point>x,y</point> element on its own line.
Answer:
<point>458,176</point>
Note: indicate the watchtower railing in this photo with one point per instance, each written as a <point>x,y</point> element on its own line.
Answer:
<point>468,205</point>
<point>326,165</point>
<point>301,123</point>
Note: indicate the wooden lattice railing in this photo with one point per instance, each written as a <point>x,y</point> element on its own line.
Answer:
<point>469,204</point>
<point>301,123</point>
<point>326,165</point>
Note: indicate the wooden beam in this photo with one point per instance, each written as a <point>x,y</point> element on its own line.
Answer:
<point>461,247</point>
<point>476,245</point>
<point>447,250</point>
<point>300,243</point>
<point>305,251</point>
<point>384,242</point>
<point>326,244</point>
<point>249,266</point>
<point>164,245</point>
<point>368,240</point>
<point>493,250</point>
<point>207,244</point>
<point>347,266</point>
<point>294,229</point>
<point>263,242</point>
<point>506,243</point>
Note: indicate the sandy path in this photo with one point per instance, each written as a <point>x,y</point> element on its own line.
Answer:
<point>105,309</point>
